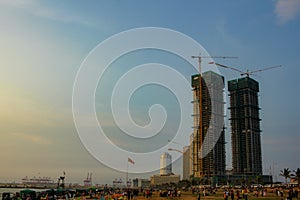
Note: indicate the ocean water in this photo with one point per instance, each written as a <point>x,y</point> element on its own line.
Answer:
<point>14,190</point>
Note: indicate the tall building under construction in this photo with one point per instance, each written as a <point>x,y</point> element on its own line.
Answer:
<point>208,138</point>
<point>245,126</point>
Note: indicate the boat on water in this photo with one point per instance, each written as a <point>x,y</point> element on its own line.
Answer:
<point>37,180</point>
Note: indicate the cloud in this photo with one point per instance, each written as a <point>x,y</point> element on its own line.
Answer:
<point>60,16</point>
<point>17,3</point>
<point>33,7</point>
<point>31,138</point>
<point>287,10</point>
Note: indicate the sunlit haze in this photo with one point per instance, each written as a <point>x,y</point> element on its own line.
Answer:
<point>43,44</point>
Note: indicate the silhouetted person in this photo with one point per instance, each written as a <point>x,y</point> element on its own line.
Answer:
<point>296,193</point>
<point>232,195</point>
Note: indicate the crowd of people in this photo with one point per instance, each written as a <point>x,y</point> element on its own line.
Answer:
<point>170,193</point>
<point>245,192</point>
<point>198,193</point>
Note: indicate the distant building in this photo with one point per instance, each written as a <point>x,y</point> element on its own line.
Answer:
<point>187,163</point>
<point>208,141</point>
<point>245,126</point>
<point>163,179</point>
<point>118,182</point>
<point>166,175</point>
<point>141,183</point>
<point>165,164</point>
<point>191,148</point>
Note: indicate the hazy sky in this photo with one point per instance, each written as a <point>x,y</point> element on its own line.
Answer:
<point>43,44</point>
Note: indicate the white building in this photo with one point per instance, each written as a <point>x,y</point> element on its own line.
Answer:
<point>165,164</point>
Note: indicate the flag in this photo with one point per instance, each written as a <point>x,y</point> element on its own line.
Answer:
<point>130,160</point>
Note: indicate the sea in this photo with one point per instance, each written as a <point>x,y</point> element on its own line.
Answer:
<point>14,190</point>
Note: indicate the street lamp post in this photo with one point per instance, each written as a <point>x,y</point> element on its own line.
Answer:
<point>171,149</point>
<point>190,157</point>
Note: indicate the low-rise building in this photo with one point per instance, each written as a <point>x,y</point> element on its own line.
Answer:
<point>141,183</point>
<point>163,179</point>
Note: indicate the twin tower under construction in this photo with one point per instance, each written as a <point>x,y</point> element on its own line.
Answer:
<point>207,146</point>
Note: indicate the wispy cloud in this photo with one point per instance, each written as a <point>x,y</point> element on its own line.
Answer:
<point>36,139</point>
<point>17,3</point>
<point>33,7</point>
<point>287,10</point>
<point>60,16</point>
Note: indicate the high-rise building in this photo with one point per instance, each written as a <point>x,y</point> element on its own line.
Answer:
<point>245,126</point>
<point>165,164</point>
<point>208,145</point>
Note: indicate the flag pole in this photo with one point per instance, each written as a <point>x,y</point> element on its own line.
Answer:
<point>127,175</point>
<point>132,162</point>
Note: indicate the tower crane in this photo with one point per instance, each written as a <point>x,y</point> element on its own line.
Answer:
<point>246,73</point>
<point>245,121</point>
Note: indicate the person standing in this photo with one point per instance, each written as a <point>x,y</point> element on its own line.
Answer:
<point>237,194</point>
<point>290,194</point>
<point>246,194</point>
<point>128,194</point>
<point>199,195</point>
<point>225,195</point>
<point>179,193</point>
<point>232,194</point>
<point>296,193</point>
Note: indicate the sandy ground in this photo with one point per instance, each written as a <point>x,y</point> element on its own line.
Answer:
<point>218,196</point>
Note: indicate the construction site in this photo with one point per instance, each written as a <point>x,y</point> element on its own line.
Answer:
<point>207,142</point>
<point>208,145</point>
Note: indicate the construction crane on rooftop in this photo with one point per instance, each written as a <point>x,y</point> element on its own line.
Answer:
<point>247,73</point>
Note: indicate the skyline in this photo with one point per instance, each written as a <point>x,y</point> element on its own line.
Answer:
<point>44,43</point>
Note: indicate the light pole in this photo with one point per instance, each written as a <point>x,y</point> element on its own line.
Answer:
<point>190,166</point>
<point>171,149</point>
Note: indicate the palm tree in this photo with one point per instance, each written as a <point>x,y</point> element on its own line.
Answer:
<point>297,175</point>
<point>285,173</point>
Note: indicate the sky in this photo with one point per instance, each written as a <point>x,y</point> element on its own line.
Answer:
<point>44,43</point>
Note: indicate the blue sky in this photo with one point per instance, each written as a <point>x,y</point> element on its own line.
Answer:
<point>43,44</point>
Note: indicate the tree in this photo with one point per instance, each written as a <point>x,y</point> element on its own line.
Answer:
<point>258,179</point>
<point>184,183</point>
<point>286,173</point>
<point>196,181</point>
<point>297,175</point>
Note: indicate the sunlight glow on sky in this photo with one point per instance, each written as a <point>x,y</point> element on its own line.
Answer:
<point>42,44</point>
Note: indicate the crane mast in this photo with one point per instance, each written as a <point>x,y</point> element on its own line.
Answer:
<point>245,73</point>
<point>198,137</point>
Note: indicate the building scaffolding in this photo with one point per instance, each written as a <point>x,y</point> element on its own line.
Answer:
<point>245,126</point>
<point>208,145</point>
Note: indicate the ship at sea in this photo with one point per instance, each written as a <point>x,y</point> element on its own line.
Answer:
<point>88,181</point>
<point>38,182</point>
